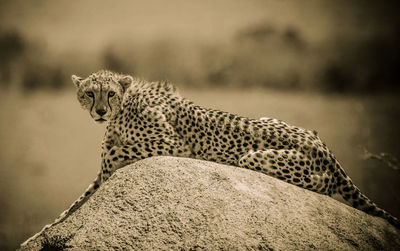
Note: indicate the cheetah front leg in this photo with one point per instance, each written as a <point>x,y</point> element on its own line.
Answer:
<point>115,156</point>
<point>120,156</point>
<point>110,140</point>
<point>81,200</point>
<point>291,166</point>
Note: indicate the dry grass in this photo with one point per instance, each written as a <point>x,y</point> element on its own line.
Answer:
<point>49,147</point>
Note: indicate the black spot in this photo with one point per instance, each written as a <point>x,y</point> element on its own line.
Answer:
<point>307,180</point>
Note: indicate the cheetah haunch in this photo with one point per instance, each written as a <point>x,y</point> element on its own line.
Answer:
<point>151,119</point>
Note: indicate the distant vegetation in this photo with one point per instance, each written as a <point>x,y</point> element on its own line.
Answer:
<point>258,56</point>
<point>27,64</point>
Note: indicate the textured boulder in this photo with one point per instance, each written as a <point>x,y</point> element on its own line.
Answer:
<point>174,203</point>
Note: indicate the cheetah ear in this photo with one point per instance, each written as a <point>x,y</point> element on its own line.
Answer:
<point>125,81</point>
<point>76,80</point>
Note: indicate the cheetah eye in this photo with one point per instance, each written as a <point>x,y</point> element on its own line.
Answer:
<point>111,94</point>
<point>89,94</point>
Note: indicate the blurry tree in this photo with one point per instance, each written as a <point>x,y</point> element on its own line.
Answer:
<point>336,78</point>
<point>291,36</point>
<point>161,60</point>
<point>43,76</point>
<point>215,63</point>
<point>12,46</point>
<point>363,66</point>
<point>259,32</point>
<point>265,56</point>
<point>112,61</point>
<point>27,64</point>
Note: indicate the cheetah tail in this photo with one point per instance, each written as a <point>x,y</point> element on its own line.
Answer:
<point>352,194</point>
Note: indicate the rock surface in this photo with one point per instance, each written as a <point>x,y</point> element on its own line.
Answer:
<point>174,203</point>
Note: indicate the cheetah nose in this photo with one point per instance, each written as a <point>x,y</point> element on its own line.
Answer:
<point>101,112</point>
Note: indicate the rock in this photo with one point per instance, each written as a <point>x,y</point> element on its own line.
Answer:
<point>178,203</point>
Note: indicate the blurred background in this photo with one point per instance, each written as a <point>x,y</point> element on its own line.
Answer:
<point>332,66</point>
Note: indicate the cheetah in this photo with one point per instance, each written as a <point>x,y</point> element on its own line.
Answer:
<point>147,119</point>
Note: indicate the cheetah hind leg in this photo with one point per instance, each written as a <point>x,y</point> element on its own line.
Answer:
<point>291,166</point>
<point>294,167</point>
<point>81,200</point>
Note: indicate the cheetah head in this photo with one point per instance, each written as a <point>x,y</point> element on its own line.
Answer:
<point>101,93</point>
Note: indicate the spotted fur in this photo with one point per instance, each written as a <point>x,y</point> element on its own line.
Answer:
<point>151,119</point>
